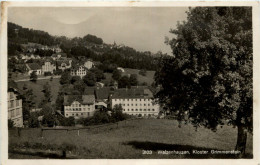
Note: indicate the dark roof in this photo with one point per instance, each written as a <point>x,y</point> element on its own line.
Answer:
<point>82,99</point>
<point>134,92</point>
<point>56,55</point>
<point>89,91</point>
<point>103,93</point>
<point>34,66</point>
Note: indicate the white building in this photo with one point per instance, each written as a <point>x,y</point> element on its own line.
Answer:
<point>88,64</point>
<point>80,71</point>
<point>121,69</point>
<point>48,66</point>
<point>15,112</point>
<point>135,101</point>
<point>79,105</point>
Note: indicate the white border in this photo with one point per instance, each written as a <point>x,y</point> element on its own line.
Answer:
<point>3,82</point>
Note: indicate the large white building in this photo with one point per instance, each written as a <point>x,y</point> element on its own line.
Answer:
<point>137,101</point>
<point>15,112</point>
<point>79,106</point>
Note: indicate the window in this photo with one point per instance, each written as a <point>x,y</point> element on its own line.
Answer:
<point>127,109</point>
<point>67,115</point>
<point>136,110</point>
<point>140,99</point>
<point>140,109</point>
<point>123,104</point>
<point>17,112</point>
<point>115,100</point>
<point>11,95</point>
<point>135,104</point>
<point>88,113</point>
<point>77,114</point>
<point>144,104</point>
<point>132,104</point>
<point>12,104</point>
<point>132,109</point>
<point>73,114</point>
<point>148,104</point>
<point>144,109</point>
<point>153,109</point>
<point>127,104</point>
<point>148,109</point>
<point>17,102</point>
<point>140,104</point>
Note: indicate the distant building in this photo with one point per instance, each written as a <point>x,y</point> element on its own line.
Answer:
<point>89,64</point>
<point>100,84</point>
<point>15,112</point>
<point>80,71</point>
<point>79,105</point>
<point>33,67</point>
<point>48,66</point>
<point>64,64</point>
<point>135,101</point>
<point>58,56</point>
<point>102,97</point>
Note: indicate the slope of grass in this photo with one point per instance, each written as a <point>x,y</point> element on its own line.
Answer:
<point>130,139</point>
<point>148,78</point>
<point>38,87</point>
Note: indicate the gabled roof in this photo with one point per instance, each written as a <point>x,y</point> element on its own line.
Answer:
<point>33,66</point>
<point>56,55</point>
<point>82,99</point>
<point>103,93</point>
<point>59,62</point>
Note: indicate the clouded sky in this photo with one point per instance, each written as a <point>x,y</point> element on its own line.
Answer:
<point>141,28</point>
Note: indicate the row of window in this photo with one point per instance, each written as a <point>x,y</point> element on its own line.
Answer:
<point>77,109</point>
<point>142,114</point>
<point>138,110</point>
<point>12,105</point>
<point>132,99</point>
<point>135,104</point>
<point>78,114</point>
<point>78,105</point>
<point>15,112</point>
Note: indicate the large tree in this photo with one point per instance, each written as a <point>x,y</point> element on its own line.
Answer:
<point>209,76</point>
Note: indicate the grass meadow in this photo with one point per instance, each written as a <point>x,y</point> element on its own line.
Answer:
<point>129,141</point>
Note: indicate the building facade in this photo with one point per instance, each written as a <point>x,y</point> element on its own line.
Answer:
<point>33,67</point>
<point>88,64</point>
<point>80,71</point>
<point>136,101</point>
<point>15,112</point>
<point>48,66</point>
<point>79,106</point>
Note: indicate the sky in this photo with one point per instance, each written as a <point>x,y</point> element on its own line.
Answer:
<point>143,28</point>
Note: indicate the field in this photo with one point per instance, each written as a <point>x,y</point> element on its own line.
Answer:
<point>129,140</point>
<point>38,87</point>
<point>148,78</point>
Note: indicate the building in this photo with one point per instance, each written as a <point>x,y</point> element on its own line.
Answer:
<point>58,56</point>
<point>48,66</point>
<point>64,64</point>
<point>15,112</point>
<point>121,69</point>
<point>79,105</point>
<point>136,101</point>
<point>33,67</point>
<point>80,71</point>
<point>102,97</point>
<point>88,64</point>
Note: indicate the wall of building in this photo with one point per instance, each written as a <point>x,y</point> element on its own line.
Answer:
<point>78,110</point>
<point>15,112</point>
<point>80,72</point>
<point>136,106</point>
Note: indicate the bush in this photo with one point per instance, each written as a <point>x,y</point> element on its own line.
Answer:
<point>10,124</point>
<point>70,121</point>
<point>57,72</point>
<point>47,74</point>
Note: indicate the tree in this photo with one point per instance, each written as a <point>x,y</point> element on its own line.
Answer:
<point>33,76</point>
<point>142,72</point>
<point>28,103</point>
<point>210,73</point>
<point>10,124</point>
<point>124,82</point>
<point>117,113</point>
<point>116,75</point>
<point>98,74</point>
<point>133,80</point>
<point>75,79</point>
<point>47,92</point>
<point>90,79</point>
<point>65,78</point>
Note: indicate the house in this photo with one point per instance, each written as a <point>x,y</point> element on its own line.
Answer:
<point>63,64</point>
<point>137,101</point>
<point>102,97</point>
<point>88,64</point>
<point>48,66</point>
<point>121,69</point>
<point>59,55</point>
<point>33,67</point>
<point>15,112</point>
<point>99,84</point>
<point>79,105</point>
<point>80,71</point>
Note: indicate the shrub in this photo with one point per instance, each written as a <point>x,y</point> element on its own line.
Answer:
<point>142,72</point>
<point>47,74</point>
<point>10,124</point>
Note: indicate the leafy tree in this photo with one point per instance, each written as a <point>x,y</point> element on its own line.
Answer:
<point>117,113</point>
<point>116,75</point>
<point>65,78</point>
<point>79,86</point>
<point>98,74</point>
<point>90,79</point>
<point>133,80</point>
<point>124,82</point>
<point>33,121</point>
<point>75,79</point>
<point>210,73</point>
<point>33,76</point>
<point>28,103</point>
<point>49,119</point>
<point>47,92</point>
